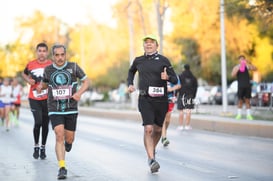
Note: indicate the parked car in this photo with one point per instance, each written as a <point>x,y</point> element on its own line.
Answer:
<point>90,96</point>
<point>202,95</point>
<point>232,98</point>
<point>260,93</point>
<point>232,89</point>
<point>263,94</point>
<point>113,95</point>
<point>215,96</point>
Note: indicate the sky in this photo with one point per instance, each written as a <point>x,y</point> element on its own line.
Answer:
<point>70,11</point>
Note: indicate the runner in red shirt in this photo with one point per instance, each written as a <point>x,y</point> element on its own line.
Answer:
<point>33,74</point>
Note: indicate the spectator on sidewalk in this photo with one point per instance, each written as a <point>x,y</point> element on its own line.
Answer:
<point>122,90</point>
<point>186,98</point>
<point>241,72</point>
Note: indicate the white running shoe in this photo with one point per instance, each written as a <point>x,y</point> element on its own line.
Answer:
<point>188,127</point>
<point>180,128</point>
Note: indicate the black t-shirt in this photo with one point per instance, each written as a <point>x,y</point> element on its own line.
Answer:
<point>62,84</point>
<point>188,84</point>
<point>243,79</point>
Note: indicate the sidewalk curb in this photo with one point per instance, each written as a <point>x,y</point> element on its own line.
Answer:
<point>256,128</point>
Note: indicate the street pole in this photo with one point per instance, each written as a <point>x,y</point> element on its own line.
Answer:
<point>223,57</point>
<point>132,53</point>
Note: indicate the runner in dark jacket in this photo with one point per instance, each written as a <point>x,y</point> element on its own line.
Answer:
<point>154,72</point>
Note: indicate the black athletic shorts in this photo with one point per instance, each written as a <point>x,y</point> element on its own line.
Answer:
<point>185,102</point>
<point>153,110</point>
<point>244,92</point>
<point>69,121</point>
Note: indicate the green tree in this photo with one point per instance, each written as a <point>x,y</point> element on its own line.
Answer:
<point>193,19</point>
<point>189,54</point>
<point>115,75</point>
<point>105,51</point>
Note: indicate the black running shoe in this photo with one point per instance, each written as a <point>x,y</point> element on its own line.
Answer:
<point>42,153</point>
<point>67,146</point>
<point>154,166</point>
<point>62,173</point>
<point>36,152</point>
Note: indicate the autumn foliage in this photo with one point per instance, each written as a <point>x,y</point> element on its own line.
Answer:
<point>191,35</point>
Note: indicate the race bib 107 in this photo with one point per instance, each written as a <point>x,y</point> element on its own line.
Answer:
<point>63,92</point>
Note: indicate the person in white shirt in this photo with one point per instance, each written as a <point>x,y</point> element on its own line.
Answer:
<point>17,90</point>
<point>6,98</point>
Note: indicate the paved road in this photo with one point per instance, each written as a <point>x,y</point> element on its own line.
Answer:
<point>112,150</point>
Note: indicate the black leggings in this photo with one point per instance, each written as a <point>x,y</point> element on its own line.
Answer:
<point>41,119</point>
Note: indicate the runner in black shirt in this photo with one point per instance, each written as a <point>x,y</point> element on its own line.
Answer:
<point>61,79</point>
<point>154,72</point>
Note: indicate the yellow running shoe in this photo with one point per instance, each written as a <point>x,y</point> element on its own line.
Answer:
<point>249,117</point>
<point>238,116</point>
